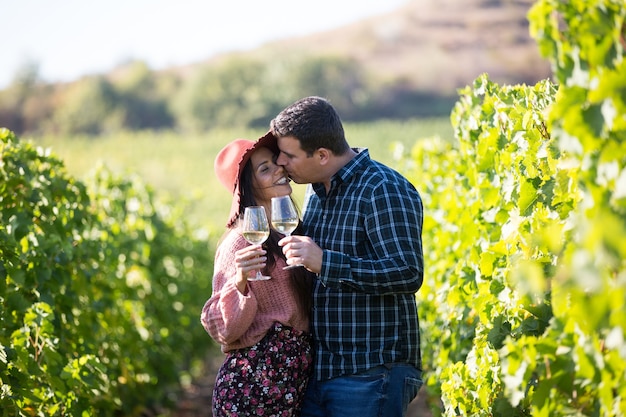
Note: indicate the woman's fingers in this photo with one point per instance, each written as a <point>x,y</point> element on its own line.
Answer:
<point>250,258</point>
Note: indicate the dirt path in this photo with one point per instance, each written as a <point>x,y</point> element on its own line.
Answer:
<point>196,401</point>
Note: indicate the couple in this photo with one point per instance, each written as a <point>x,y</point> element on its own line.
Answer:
<point>339,336</point>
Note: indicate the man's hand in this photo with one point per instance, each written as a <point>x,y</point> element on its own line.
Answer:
<point>302,250</point>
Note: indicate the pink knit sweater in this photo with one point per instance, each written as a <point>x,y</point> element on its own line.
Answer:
<point>237,320</point>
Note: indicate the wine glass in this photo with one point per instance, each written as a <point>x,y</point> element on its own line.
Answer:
<point>255,230</point>
<point>284,218</point>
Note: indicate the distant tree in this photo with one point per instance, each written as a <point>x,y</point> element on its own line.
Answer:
<point>140,103</point>
<point>88,107</point>
<point>248,92</point>
<point>10,112</point>
<point>227,94</point>
<point>26,76</point>
<point>341,80</point>
<point>13,98</point>
<point>38,108</point>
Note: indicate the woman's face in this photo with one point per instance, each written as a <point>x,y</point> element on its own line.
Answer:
<point>268,179</point>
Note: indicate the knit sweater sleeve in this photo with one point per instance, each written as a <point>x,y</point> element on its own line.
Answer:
<point>228,313</point>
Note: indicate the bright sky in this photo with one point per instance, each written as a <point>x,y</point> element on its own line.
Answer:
<point>71,38</point>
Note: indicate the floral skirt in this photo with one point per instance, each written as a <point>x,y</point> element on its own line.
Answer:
<point>267,379</point>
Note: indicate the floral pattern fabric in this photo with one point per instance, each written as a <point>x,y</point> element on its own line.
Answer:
<point>267,379</point>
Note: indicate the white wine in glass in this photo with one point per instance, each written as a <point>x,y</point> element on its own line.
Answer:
<point>256,230</point>
<point>284,218</point>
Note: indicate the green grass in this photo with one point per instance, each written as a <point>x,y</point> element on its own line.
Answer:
<point>180,167</point>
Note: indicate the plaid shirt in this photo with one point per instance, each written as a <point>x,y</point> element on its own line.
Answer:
<point>369,226</point>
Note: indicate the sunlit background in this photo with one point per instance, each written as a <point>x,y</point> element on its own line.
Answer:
<point>111,114</point>
<point>70,38</point>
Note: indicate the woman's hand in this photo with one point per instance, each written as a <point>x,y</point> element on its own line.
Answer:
<point>248,260</point>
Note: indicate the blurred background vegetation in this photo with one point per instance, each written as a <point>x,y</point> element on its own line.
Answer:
<point>238,91</point>
<point>402,65</point>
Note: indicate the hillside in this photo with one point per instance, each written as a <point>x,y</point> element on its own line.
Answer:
<point>434,45</point>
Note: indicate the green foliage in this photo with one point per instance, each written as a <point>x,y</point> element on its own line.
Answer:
<point>101,290</point>
<point>489,196</point>
<point>524,306</point>
<point>524,310</point>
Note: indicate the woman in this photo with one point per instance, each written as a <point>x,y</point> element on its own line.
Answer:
<point>262,326</point>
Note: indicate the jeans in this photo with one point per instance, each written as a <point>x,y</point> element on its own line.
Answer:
<point>382,391</point>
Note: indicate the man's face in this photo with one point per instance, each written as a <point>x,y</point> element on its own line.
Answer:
<point>301,168</point>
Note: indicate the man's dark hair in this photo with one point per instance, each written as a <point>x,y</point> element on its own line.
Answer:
<point>315,123</point>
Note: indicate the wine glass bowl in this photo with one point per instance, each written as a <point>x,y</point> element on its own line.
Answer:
<point>284,215</point>
<point>255,230</point>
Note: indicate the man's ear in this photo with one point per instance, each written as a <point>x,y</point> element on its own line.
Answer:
<point>323,155</point>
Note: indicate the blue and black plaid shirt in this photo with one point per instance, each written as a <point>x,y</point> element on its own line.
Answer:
<point>364,310</point>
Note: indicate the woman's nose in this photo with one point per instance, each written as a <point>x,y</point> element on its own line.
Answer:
<point>279,169</point>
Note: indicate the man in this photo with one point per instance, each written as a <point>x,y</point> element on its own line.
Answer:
<point>362,226</point>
